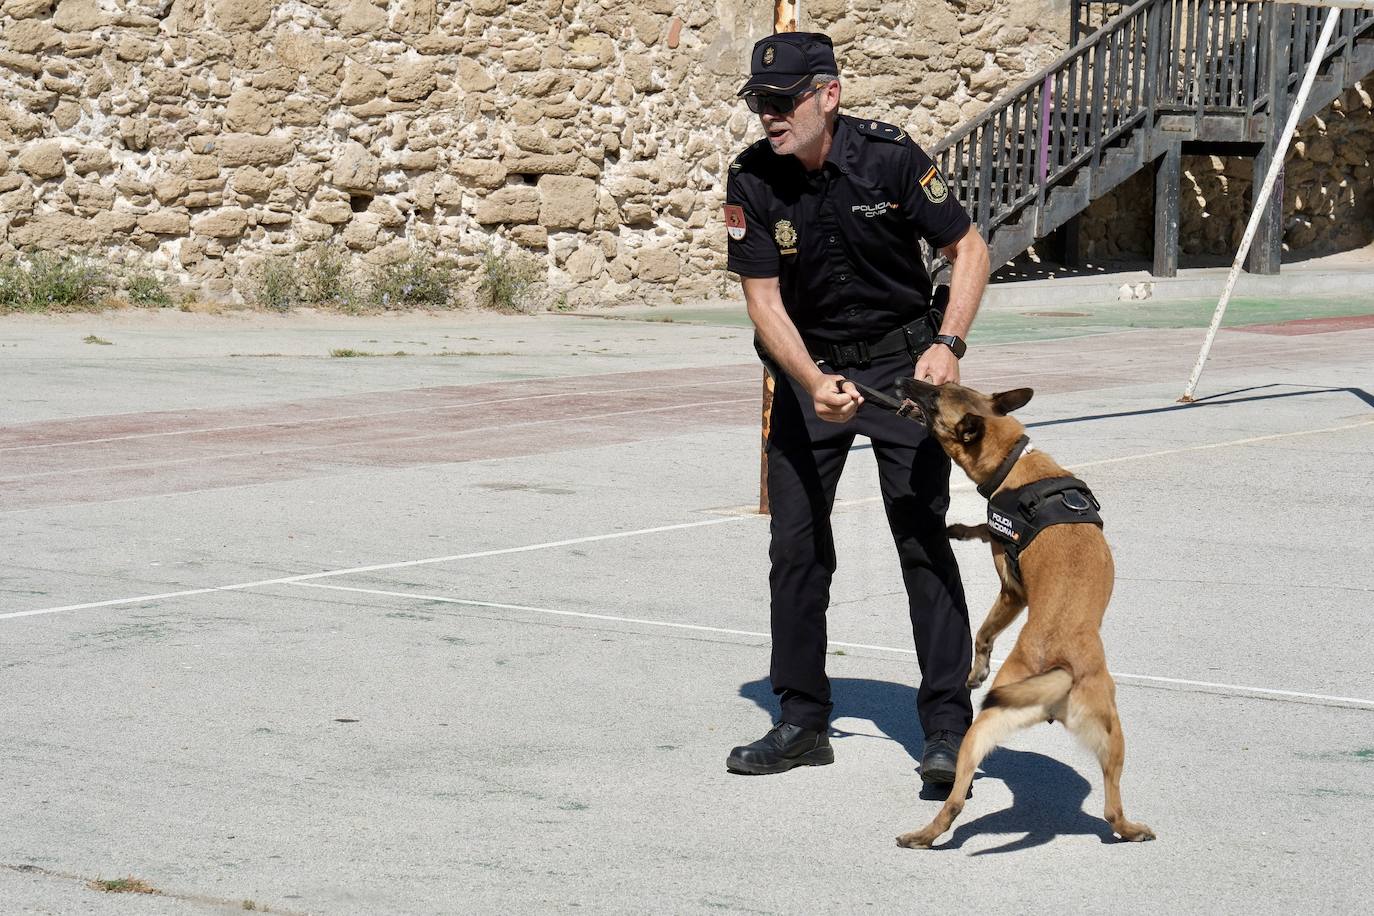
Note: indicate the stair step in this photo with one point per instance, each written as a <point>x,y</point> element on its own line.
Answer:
<point>1010,239</point>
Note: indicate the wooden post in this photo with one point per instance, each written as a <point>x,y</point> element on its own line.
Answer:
<point>1168,176</point>
<point>785,16</point>
<point>1267,253</point>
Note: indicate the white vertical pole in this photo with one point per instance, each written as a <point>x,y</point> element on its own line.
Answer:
<point>1262,198</point>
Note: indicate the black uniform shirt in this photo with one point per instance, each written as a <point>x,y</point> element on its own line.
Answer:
<point>842,241</point>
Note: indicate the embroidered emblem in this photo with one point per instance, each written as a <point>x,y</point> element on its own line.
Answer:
<point>785,234</point>
<point>934,186</point>
<point>768,56</point>
<point>734,222</point>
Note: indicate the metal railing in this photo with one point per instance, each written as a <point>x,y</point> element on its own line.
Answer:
<point>1190,57</point>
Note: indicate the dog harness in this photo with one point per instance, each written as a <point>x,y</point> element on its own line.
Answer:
<point>1016,516</point>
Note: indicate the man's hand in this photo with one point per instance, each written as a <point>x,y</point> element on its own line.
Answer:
<point>937,365</point>
<point>836,399</point>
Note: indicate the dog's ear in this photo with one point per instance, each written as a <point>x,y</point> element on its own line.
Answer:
<point>970,429</point>
<point>1004,402</point>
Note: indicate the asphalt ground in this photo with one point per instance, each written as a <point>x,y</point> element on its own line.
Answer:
<point>475,632</point>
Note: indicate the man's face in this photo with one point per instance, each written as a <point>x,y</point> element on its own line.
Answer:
<point>801,128</point>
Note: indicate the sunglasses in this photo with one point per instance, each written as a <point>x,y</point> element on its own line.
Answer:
<point>762,102</point>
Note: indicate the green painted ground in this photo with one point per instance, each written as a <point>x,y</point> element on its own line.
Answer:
<point>1004,325</point>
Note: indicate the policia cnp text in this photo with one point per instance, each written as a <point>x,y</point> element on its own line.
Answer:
<point>824,216</point>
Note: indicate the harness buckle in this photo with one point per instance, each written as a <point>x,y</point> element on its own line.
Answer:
<point>1075,500</point>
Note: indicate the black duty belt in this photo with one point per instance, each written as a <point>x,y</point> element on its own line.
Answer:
<point>909,338</point>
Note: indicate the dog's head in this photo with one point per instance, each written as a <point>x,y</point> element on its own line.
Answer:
<point>973,428</point>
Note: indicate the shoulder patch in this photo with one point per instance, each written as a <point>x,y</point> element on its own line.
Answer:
<point>880,130</point>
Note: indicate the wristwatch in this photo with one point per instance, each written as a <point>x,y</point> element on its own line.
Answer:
<point>956,344</point>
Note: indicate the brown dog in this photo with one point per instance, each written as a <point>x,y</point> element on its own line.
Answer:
<point>1057,669</point>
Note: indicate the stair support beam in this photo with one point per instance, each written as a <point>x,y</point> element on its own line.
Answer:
<point>1168,201</point>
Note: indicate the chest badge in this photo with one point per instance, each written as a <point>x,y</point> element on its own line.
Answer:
<point>735,224</point>
<point>934,186</point>
<point>785,234</point>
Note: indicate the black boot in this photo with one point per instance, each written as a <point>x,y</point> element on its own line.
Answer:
<point>784,747</point>
<point>941,756</point>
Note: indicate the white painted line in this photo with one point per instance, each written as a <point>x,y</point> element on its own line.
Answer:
<point>1199,448</point>
<point>1138,679</point>
<point>403,564</point>
<point>333,446</point>
<point>464,405</point>
<point>719,520</point>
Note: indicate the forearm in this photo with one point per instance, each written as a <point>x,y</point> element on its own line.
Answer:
<point>777,332</point>
<point>968,279</point>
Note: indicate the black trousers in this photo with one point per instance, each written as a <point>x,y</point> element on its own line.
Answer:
<point>805,457</point>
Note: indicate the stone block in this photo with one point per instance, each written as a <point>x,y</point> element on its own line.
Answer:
<point>333,212</point>
<point>481,173</point>
<point>541,164</point>
<point>355,168</point>
<point>249,149</point>
<point>362,18</point>
<point>29,36</point>
<point>567,202</point>
<point>512,204</point>
<point>91,159</point>
<point>239,15</point>
<point>227,223</point>
<point>169,188</point>
<point>79,15</point>
<point>26,9</point>
<point>658,265</point>
<point>253,182</point>
<point>248,112</point>
<point>473,77</point>
<point>42,160</point>
<point>362,85</point>
<point>47,231</point>
<point>529,235</point>
<point>411,81</point>
<point>166,222</point>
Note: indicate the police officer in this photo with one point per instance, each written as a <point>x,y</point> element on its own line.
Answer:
<point>824,216</point>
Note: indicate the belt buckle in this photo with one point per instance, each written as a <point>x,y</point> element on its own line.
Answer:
<point>852,354</point>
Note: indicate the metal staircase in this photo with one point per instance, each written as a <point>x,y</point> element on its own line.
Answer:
<point>1158,79</point>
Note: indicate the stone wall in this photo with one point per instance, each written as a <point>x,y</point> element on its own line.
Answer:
<point>200,135</point>
<point>1328,201</point>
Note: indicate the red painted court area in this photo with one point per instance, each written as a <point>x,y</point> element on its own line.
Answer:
<point>96,459</point>
<point>104,458</point>
<point>1301,326</point>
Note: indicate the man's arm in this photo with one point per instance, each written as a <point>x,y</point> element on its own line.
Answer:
<point>970,267</point>
<point>784,344</point>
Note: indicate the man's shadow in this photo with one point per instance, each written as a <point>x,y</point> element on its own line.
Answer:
<point>1047,796</point>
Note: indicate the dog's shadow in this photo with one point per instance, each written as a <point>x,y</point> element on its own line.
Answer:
<point>1047,796</point>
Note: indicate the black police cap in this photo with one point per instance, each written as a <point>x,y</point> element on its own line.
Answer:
<point>784,63</point>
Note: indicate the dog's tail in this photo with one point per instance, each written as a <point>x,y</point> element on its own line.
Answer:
<point>969,533</point>
<point>1045,690</point>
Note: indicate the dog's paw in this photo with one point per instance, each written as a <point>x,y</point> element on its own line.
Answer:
<point>978,674</point>
<point>917,839</point>
<point>964,532</point>
<point>1135,833</point>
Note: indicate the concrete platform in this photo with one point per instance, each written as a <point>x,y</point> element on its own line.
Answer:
<point>474,633</point>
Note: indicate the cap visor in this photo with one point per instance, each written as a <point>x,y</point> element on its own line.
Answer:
<point>777,83</point>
